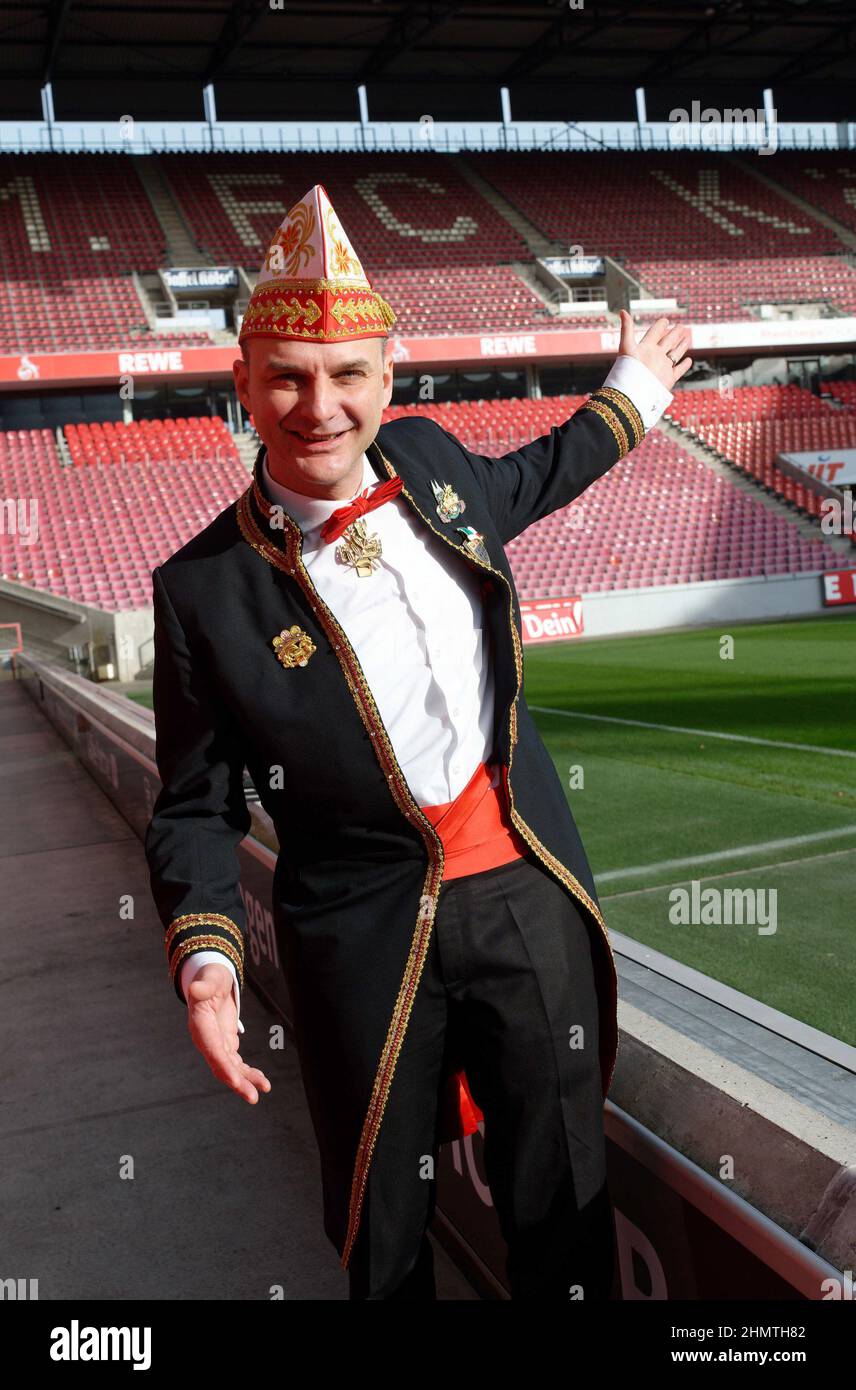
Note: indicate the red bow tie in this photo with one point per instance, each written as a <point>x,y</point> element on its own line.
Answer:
<point>341,519</point>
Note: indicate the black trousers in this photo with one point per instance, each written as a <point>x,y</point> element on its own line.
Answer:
<point>507,991</point>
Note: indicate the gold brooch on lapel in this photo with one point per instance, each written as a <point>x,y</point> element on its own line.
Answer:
<point>360,550</point>
<point>474,543</point>
<point>449,504</point>
<point>293,646</point>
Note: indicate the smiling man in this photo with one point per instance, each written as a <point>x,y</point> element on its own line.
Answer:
<point>350,631</point>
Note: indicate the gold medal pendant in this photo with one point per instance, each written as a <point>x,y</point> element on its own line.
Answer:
<point>293,646</point>
<point>360,550</point>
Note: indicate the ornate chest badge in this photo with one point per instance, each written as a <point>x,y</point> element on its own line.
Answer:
<point>474,543</point>
<point>449,504</point>
<point>360,550</point>
<point>293,646</point>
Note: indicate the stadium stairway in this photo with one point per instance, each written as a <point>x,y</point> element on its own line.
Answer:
<point>247,446</point>
<point>538,243</point>
<point>180,245</point>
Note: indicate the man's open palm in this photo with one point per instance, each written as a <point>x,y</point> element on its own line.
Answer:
<point>660,348</point>
<point>212,1019</point>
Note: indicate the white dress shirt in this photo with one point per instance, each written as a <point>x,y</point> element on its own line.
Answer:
<point>416,626</point>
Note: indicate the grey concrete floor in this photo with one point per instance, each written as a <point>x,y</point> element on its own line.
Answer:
<point>130,1172</point>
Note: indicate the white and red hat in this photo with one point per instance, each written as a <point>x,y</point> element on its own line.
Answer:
<point>312,286</point>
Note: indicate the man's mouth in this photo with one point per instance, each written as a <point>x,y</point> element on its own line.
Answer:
<point>318,438</point>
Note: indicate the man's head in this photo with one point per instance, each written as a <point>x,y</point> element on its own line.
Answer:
<point>299,391</point>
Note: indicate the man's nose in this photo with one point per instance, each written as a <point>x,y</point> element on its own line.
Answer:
<point>318,401</point>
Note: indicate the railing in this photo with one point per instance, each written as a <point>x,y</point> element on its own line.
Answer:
<point>126,136</point>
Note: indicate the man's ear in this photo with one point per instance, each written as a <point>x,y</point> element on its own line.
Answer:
<point>240,373</point>
<point>388,367</point>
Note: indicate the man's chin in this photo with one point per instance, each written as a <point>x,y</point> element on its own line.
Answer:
<point>292,459</point>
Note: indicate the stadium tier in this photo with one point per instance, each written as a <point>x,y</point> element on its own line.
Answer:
<point>699,228</point>
<point>73,229</point>
<point>702,229</point>
<point>430,242</point>
<point>131,494</point>
<point>661,517</point>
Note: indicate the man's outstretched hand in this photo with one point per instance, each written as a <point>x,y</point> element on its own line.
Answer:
<point>213,1022</point>
<point>661,348</point>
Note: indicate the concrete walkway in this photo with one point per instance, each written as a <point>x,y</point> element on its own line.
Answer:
<point>129,1171</point>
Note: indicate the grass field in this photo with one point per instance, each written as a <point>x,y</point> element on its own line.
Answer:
<point>663,805</point>
<point>667,804</point>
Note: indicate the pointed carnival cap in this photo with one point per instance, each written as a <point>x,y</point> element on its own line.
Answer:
<point>311,285</point>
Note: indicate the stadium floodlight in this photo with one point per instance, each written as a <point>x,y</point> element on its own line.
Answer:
<point>209,104</point>
<point>769,107</point>
<point>47,104</point>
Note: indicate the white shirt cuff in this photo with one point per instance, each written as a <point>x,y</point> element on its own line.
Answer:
<point>637,381</point>
<point>194,964</point>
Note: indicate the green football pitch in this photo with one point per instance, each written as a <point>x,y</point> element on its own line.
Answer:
<point>688,758</point>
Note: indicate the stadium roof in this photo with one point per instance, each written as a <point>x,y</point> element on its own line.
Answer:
<point>281,59</point>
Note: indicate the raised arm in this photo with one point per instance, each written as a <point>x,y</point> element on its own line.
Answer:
<point>531,482</point>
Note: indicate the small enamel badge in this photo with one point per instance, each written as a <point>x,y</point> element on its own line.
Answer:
<point>474,543</point>
<point>449,504</point>
<point>293,646</point>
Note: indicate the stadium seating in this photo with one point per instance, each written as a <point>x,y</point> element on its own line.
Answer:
<point>695,226</point>
<point>72,230</point>
<point>106,522</point>
<point>134,493</point>
<point>749,425</point>
<point>659,516</point>
<point>842,391</point>
<point>824,178</point>
<point>427,238</point>
<point>186,440</point>
<point>399,211</point>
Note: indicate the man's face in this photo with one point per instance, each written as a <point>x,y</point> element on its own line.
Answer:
<point>316,406</point>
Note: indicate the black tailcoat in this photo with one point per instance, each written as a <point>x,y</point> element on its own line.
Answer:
<point>360,866</point>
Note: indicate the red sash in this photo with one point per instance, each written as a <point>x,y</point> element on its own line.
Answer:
<point>475,828</point>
